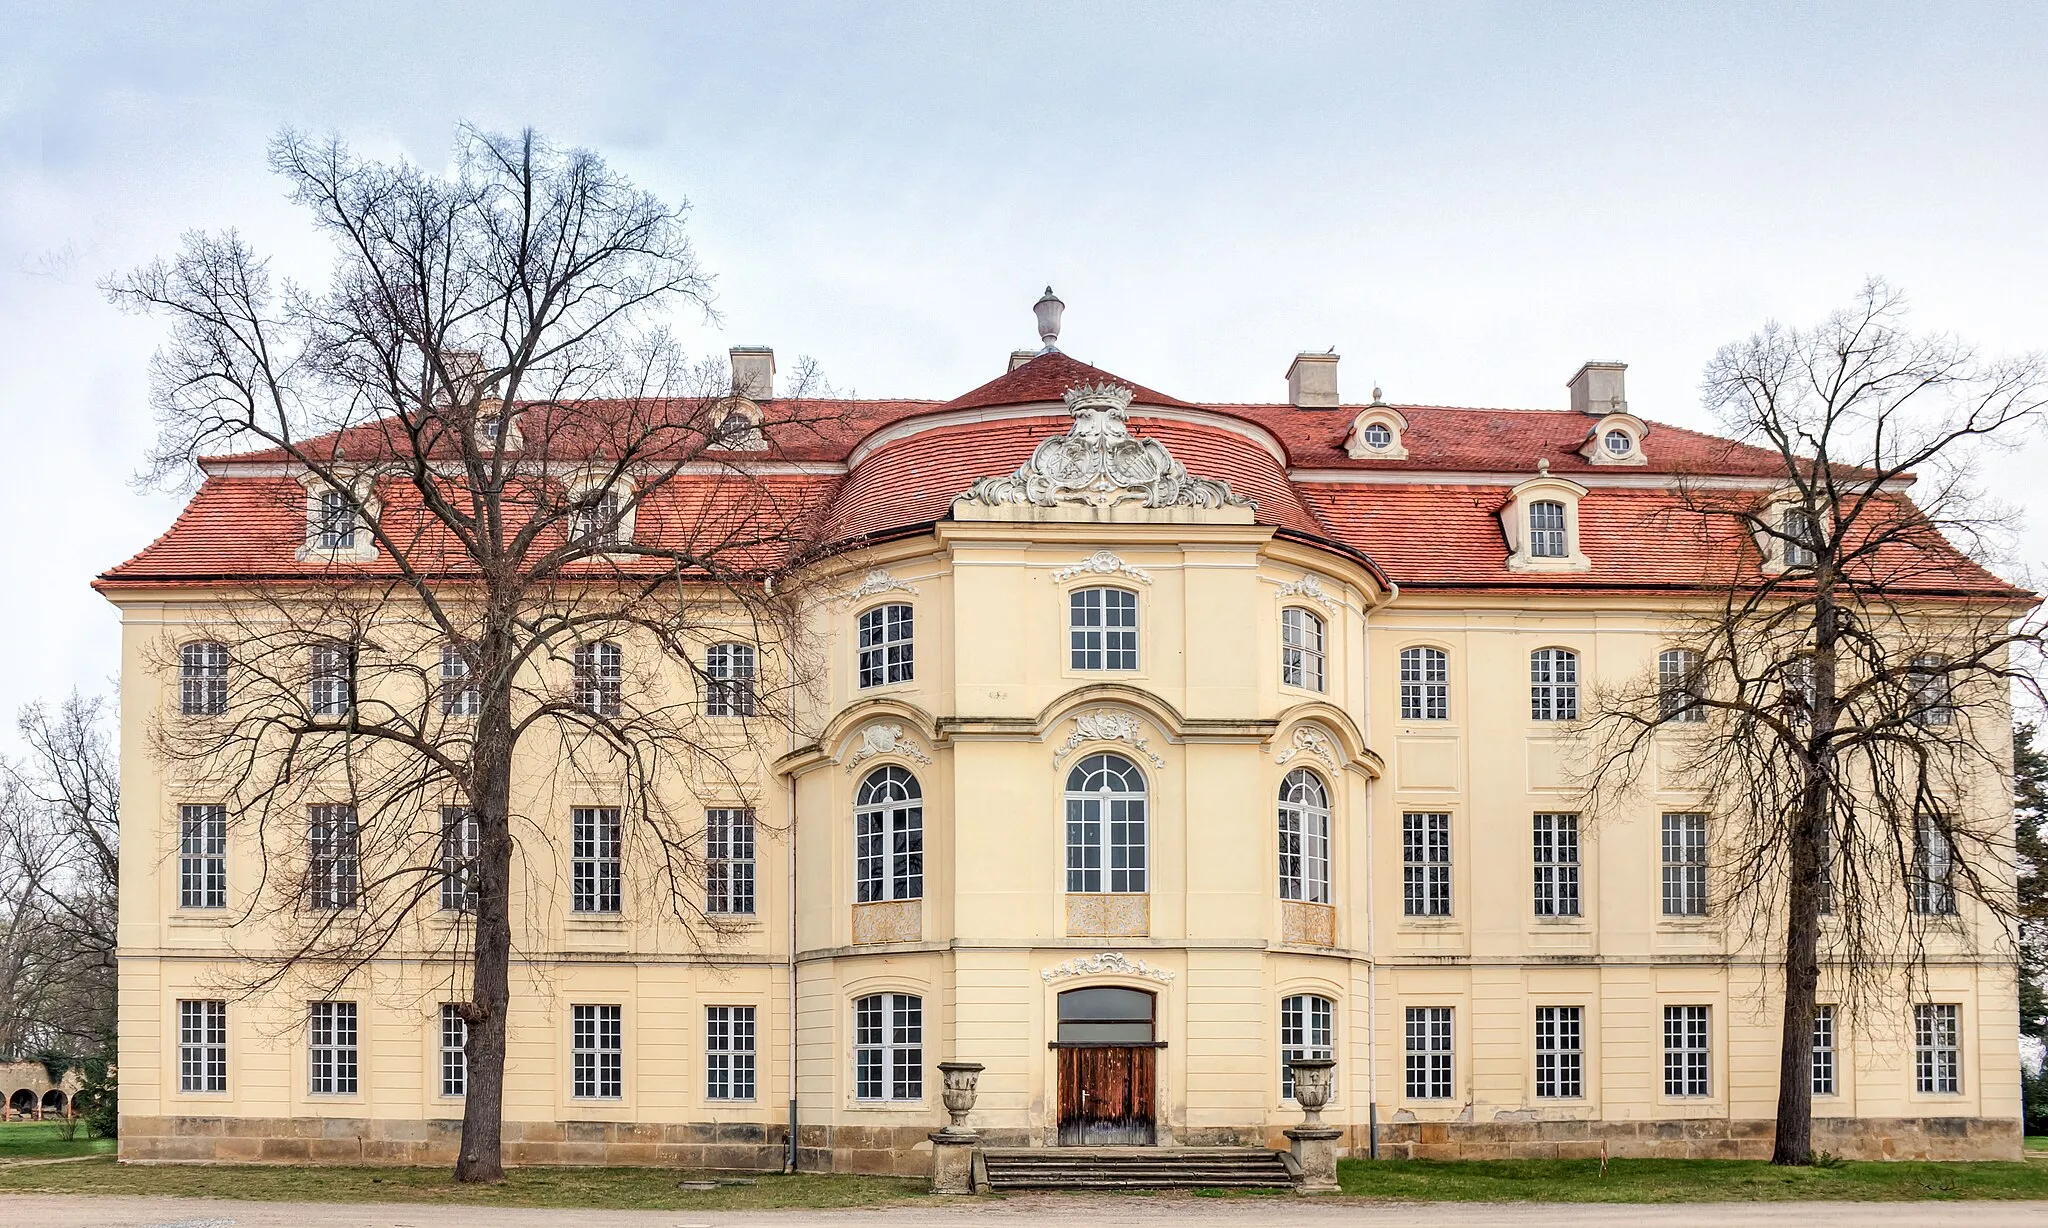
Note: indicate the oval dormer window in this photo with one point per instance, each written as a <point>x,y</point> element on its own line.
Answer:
<point>1378,435</point>
<point>1620,443</point>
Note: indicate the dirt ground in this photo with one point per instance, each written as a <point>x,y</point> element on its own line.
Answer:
<point>1022,1211</point>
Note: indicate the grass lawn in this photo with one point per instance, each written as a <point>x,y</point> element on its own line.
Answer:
<point>1684,1181</point>
<point>2037,1142</point>
<point>34,1140</point>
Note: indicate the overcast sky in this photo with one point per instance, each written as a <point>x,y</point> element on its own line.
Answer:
<point>1466,201</point>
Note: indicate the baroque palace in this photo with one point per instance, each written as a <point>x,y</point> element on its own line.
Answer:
<point>1162,741</point>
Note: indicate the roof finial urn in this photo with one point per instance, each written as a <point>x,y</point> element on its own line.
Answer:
<point>1048,309</point>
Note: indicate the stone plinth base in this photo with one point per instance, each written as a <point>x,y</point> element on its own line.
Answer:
<point>1854,1138</point>
<point>953,1162</point>
<point>360,1140</point>
<point>1315,1154</point>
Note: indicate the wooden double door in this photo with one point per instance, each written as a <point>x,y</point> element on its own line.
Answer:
<point>1106,1095</point>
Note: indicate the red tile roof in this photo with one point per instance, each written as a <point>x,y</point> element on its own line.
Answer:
<point>1438,529</point>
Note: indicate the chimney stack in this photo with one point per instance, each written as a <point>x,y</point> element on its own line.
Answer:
<point>753,371</point>
<point>1597,389</point>
<point>1019,357</point>
<point>1312,380</point>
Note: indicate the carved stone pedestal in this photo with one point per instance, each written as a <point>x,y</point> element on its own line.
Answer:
<point>954,1148</point>
<point>1315,1150</point>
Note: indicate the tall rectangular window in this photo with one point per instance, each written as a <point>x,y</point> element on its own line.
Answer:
<point>729,680</point>
<point>334,521</point>
<point>1546,529</point>
<point>1426,864</point>
<point>596,1054</point>
<point>1934,892</point>
<point>1823,1050</point>
<point>1825,855</point>
<point>1554,685</point>
<point>1685,1051</point>
<point>334,1048</point>
<point>331,681</point>
<point>333,879</point>
<point>459,693</point>
<point>888,1047</point>
<point>1301,649</point>
<point>1429,1052</point>
<point>202,856</point>
<point>600,678</point>
<point>203,679</point>
<point>1308,1030</point>
<point>594,859</point>
<point>1802,537</point>
<point>1304,838</point>
<point>1933,690</point>
<point>454,1051</point>
<point>1685,865</point>
<point>1425,684</point>
<point>202,1046</point>
<point>1560,1052</point>
<point>1937,1057</point>
<point>885,645</point>
<point>459,848</point>
<point>729,860</point>
<point>729,1052</point>
<point>1678,686</point>
<point>1556,855</point>
<point>1102,628</point>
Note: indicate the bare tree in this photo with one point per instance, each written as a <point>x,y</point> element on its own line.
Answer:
<point>514,535</point>
<point>1844,705</point>
<point>59,877</point>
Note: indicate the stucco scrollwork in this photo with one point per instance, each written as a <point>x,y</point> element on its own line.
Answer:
<point>1102,563</point>
<point>1099,463</point>
<point>879,581</point>
<point>1108,961</point>
<point>1104,725</point>
<point>884,739</point>
<point>1310,740</point>
<point>1311,587</point>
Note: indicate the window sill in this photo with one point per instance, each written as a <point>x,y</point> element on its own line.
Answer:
<point>194,918</point>
<point>886,1106</point>
<point>1430,923</point>
<point>595,921</point>
<point>1559,921</point>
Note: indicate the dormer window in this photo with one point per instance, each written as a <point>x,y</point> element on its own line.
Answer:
<point>489,428</point>
<point>601,511</point>
<point>1541,523</point>
<point>1788,535</point>
<point>1376,434</point>
<point>1617,439</point>
<point>336,523</point>
<point>1546,529</point>
<point>739,430</point>
<point>335,526</point>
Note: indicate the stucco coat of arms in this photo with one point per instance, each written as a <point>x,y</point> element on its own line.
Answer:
<point>1099,463</point>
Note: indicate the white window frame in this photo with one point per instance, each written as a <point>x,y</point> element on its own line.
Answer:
<point>888,836</point>
<point>332,521</point>
<point>1425,683</point>
<point>1308,1031</point>
<point>1933,885</point>
<point>461,842</point>
<point>888,1048</point>
<point>1426,863</point>
<point>1688,1051</point>
<point>1678,689</point>
<point>203,678</point>
<point>1933,691</point>
<point>729,1053</point>
<point>1553,685</point>
<point>597,523</point>
<point>334,842</point>
<point>729,861</point>
<point>1801,530</point>
<point>1428,1056</point>
<point>1560,1052</point>
<point>335,1053</point>
<point>203,856</point>
<point>454,1052</point>
<point>1100,823</point>
<point>1102,629</point>
<point>730,670</point>
<point>1304,838</point>
<point>1823,1061</point>
<point>595,836</point>
<point>1554,839</point>
<point>460,695</point>
<point>1937,1048</point>
<point>1549,540</point>
<point>330,678</point>
<point>1683,849</point>
<point>1304,637</point>
<point>600,677</point>
<point>203,1046</point>
<point>597,1051</point>
<point>885,645</point>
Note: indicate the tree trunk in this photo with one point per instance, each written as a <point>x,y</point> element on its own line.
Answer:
<point>1794,1143</point>
<point>483,1111</point>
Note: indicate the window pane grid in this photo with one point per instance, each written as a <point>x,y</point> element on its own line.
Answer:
<point>1685,1051</point>
<point>1308,1031</point>
<point>459,693</point>
<point>1937,1057</point>
<point>202,856</point>
<point>1304,838</point>
<point>454,1053</point>
<point>1685,865</point>
<point>1560,1052</point>
<point>1546,530</point>
<point>203,679</point>
<point>1106,826</point>
<point>1301,649</point>
<point>1429,1052</point>
<point>1554,685</point>
<point>203,1046</point>
<point>1823,1050</point>
<point>1102,628</point>
<point>888,1052</point>
<point>330,686</point>
<point>333,880</point>
<point>459,848</point>
<point>1678,686</point>
<point>729,680</point>
<point>594,859</point>
<point>600,678</point>
<point>729,1052</point>
<point>1426,864</point>
<point>1425,684</point>
<point>598,1060</point>
<point>1556,859</point>
<point>334,1048</point>
<point>1933,869</point>
<point>729,861</point>
<point>885,643</point>
<point>888,837</point>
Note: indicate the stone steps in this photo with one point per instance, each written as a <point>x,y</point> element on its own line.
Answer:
<point>1136,1168</point>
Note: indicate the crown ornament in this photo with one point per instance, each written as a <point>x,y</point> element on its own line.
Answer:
<point>1114,397</point>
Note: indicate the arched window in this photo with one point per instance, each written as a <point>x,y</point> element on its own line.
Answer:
<point>1301,649</point>
<point>729,680</point>
<point>1425,684</point>
<point>1105,826</point>
<point>203,679</point>
<point>1678,682</point>
<point>888,837</point>
<point>1102,628</point>
<point>1546,529</point>
<point>1554,685</point>
<point>600,677</point>
<point>1304,838</point>
<point>884,639</point>
<point>1308,1029</point>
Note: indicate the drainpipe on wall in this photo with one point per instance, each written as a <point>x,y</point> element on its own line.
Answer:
<point>1372,947</point>
<point>789,1163</point>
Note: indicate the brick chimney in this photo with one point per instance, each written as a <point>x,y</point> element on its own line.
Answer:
<point>1312,380</point>
<point>753,371</point>
<point>1597,389</point>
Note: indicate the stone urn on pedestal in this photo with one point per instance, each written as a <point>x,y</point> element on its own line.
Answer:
<point>955,1146</point>
<point>1313,1144</point>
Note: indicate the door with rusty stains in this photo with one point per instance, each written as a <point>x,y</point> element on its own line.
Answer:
<point>1108,1065</point>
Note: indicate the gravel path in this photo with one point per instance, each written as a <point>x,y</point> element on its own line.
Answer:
<point>1020,1211</point>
